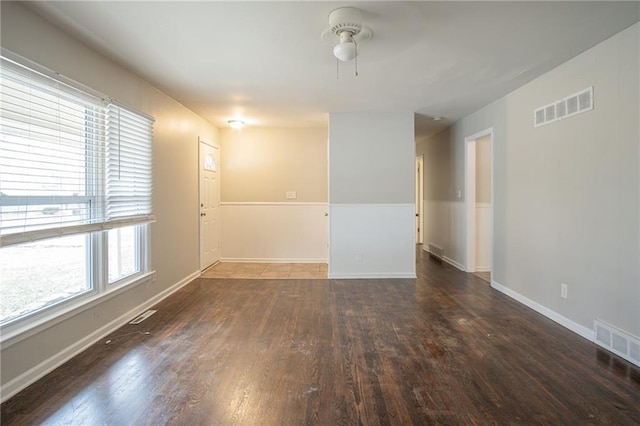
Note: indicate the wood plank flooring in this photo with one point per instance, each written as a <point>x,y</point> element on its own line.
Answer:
<point>443,349</point>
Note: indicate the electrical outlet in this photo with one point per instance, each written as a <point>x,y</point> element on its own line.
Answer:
<point>564,290</point>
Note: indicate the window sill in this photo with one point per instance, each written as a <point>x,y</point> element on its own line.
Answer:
<point>11,334</point>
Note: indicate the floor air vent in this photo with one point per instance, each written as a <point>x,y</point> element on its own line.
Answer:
<point>142,317</point>
<point>564,108</point>
<point>617,341</point>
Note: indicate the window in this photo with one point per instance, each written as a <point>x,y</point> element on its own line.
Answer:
<point>75,192</point>
<point>124,253</point>
<point>42,273</point>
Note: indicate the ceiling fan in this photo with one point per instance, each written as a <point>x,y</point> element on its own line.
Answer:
<point>345,23</point>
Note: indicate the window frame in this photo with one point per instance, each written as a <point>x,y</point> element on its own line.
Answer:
<point>99,289</point>
<point>141,247</point>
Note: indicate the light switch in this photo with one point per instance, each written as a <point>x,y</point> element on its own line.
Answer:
<point>459,193</point>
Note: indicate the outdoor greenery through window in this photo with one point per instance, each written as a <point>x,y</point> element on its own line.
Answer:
<point>75,192</point>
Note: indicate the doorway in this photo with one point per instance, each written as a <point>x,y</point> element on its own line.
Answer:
<point>419,200</point>
<point>209,159</point>
<point>479,205</point>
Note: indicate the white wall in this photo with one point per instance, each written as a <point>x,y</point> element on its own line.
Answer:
<point>566,195</point>
<point>174,237</point>
<point>372,241</point>
<point>372,195</point>
<point>274,232</point>
<point>259,166</point>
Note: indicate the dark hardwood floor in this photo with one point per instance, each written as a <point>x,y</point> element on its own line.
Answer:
<point>443,349</point>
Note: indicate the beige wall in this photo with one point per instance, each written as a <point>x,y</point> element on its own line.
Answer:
<point>372,157</point>
<point>566,198</point>
<point>438,166</point>
<point>261,165</point>
<point>174,237</point>
<point>573,189</point>
<point>483,170</point>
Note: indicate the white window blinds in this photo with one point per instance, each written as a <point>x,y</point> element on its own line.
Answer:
<point>57,174</point>
<point>128,180</point>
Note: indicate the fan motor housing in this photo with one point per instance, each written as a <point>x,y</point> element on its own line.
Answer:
<point>345,19</point>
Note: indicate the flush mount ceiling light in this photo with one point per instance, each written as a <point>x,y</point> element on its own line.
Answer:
<point>236,124</point>
<point>346,24</point>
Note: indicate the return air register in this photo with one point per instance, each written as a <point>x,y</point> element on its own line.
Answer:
<point>436,250</point>
<point>564,108</point>
<point>617,341</point>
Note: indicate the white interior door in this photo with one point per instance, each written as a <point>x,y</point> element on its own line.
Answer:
<point>209,205</point>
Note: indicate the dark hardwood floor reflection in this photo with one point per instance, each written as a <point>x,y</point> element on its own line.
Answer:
<point>443,349</point>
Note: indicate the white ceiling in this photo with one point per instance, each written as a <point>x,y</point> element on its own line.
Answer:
<point>266,63</point>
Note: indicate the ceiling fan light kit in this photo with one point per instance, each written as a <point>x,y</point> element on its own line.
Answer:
<point>346,49</point>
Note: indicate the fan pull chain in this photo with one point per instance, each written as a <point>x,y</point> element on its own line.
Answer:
<point>337,69</point>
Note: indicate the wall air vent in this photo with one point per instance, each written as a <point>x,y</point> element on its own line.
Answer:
<point>564,108</point>
<point>435,250</point>
<point>617,341</point>
<point>538,118</point>
<point>561,109</point>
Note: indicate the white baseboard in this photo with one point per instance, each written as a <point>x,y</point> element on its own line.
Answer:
<point>32,375</point>
<point>483,269</point>
<point>453,263</point>
<point>365,275</point>
<point>272,260</point>
<point>552,315</point>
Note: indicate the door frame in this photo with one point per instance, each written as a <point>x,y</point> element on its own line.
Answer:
<point>470,199</point>
<point>200,142</point>
<point>420,197</point>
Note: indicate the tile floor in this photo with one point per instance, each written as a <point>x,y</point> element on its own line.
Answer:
<point>267,270</point>
<point>484,275</point>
